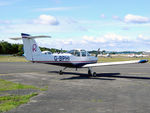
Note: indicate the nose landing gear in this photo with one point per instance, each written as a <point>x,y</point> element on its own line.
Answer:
<point>60,72</point>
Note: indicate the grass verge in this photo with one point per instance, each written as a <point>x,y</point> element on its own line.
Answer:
<point>9,101</point>
<point>12,101</point>
<point>115,59</point>
<point>8,85</point>
<point>12,59</point>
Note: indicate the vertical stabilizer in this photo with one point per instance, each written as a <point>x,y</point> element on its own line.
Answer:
<point>31,49</point>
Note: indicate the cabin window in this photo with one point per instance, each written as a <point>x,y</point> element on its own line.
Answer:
<point>83,53</point>
<point>74,52</point>
<point>77,53</point>
<point>71,52</point>
<point>88,54</point>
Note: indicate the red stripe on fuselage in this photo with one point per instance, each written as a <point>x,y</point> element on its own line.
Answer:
<point>65,61</point>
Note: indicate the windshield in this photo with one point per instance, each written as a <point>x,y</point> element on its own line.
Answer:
<point>74,52</point>
<point>79,53</point>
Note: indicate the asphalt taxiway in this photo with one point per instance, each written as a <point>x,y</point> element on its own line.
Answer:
<point>116,89</point>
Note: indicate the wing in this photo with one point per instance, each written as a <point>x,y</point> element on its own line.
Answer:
<point>115,63</point>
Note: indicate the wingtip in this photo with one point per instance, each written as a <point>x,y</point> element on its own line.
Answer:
<point>143,61</point>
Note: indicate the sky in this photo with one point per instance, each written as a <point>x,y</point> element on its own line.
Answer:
<point>112,25</point>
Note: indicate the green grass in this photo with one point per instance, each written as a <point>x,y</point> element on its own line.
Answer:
<point>8,101</point>
<point>44,89</point>
<point>8,85</point>
<point>12,59</point>
<point>12,101</point>
<point>119,58</point>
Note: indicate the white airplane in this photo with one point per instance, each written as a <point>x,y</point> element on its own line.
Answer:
<point>105,56</point>
<point>137,56</point>
<point>76,58</point>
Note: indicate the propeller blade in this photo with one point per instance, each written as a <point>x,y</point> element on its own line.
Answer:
<point>97,52</point>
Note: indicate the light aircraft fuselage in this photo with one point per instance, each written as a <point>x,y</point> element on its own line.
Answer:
<point>74,58</point>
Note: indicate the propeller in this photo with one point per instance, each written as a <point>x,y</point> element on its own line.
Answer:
<point>97,52</point>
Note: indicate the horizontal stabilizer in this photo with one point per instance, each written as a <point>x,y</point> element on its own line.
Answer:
<point>16,38</point>
<point>29,37</point>
<point>40,36</point>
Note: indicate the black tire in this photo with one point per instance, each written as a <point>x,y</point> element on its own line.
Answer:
<point>94,74</point>
<point>60,72</point>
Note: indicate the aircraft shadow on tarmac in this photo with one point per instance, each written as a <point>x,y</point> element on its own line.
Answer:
<point>99,75</point>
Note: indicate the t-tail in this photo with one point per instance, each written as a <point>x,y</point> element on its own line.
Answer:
<point>31,49</point>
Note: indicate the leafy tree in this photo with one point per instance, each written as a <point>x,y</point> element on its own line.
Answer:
<point>14,48</point>
<point>5,47</point>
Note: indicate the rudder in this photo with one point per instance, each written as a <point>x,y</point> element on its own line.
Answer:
<point>31,49</point>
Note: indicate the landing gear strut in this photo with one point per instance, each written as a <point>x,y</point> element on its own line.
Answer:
<point>61,71</point>
<point>90,73</point>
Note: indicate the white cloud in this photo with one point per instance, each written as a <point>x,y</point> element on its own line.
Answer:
<point>115,37</point>
<point>113,42</point>
<point>43,24</point>
<point>5,22</point>
<point>46,20</point>
<point>129,18</point>
<point>106,38</point>
<point>77,31</point>
<point>143,38</point>
<point>108,42</point>
<point>93,39</point>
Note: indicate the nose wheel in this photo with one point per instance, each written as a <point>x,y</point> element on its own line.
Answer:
<point>90,73</point>
<point>60,72</point>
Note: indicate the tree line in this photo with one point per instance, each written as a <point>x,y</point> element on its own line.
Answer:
<point>17,49</point>
<point>8,48</point>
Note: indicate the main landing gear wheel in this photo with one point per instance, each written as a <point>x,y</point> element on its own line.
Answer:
<point>91,74</point>
<point>60,72</point>
<point>94,74</point>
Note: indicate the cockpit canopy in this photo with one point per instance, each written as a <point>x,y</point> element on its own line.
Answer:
<point>79,53</point>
